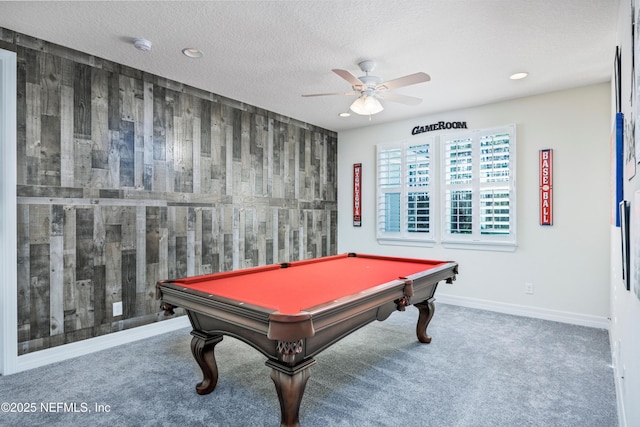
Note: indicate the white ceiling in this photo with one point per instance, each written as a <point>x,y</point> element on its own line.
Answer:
<point>269,53</point>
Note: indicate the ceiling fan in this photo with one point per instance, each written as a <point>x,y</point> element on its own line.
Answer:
<point>371,89</point>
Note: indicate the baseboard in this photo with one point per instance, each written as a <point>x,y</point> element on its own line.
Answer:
<point>618,380</point>
<point>622,421</point>
<point>91,345</point>
<point>521,310</point>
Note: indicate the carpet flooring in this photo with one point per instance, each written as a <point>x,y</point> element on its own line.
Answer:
<point>481,369</point>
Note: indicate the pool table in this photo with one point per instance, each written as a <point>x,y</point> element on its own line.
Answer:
<point>292,311</point>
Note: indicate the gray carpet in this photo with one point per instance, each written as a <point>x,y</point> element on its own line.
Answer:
<point>482,369</point>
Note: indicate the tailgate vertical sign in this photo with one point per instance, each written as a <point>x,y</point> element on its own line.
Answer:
<point>357,194</point>
<point>546,187</point>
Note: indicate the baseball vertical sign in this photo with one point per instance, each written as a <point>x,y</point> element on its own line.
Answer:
<point>546,187</point>
<point>357,194</point>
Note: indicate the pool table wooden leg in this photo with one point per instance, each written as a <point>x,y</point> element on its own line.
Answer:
<point>426,309</point>
<point>290,383</point>
<point>202,348</point>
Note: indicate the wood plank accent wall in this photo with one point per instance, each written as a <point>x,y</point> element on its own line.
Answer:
<point>126,178</point>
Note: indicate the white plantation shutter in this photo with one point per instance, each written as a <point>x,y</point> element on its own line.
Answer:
<point>495,169</point>
<point>418,178</point>
<point>404,175</point>
<point>479,187</point>
<point>458,155</point>
<point>458,177</point>
<point>389,190</point>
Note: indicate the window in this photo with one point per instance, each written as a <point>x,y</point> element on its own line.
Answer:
<point>474,192</point>
<point>404,198</point>
<point>478,183</point>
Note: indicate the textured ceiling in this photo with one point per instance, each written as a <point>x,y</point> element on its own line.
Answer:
<point>269,53</point>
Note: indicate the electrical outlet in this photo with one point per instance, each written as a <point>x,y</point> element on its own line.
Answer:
<point>117,308</point>
<point>528,288</point>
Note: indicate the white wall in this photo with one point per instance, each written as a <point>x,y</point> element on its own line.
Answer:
<point>625,305</point>
<point>568,263</point>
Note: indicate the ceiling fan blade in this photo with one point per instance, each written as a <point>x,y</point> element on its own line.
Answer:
<point>411,79</point>
<point>401,99</point>
<point>329,94</point>
<point>355,82</point>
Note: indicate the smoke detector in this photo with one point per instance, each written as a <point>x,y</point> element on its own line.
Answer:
<point>142,44</point>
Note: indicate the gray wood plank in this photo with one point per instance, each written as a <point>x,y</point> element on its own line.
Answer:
<point>113,263</point>
<point>100,136</point>
<point>31,130</point>
<point>113,104</point>
<point>126,178</point>
<point>49,171</point>
<point>205,128</point>
<point>98,298</point>
<point>39,260</point>
<point>141,264</point>
<point>191,243</point>
<point>147,135</point>
<point>56,273</point>
<point>218,159</point>
<point>50,81</point>
<point>67,165</point>
<point>171,242</point>
<point>195,156</point>
<point>82,102</point>
<point>194,242</point>
<point>23,273</point>
<point>237,135</point>
<point>207,241</point>
<point>126,151</point>
<point>129,282</point>
<point>163,262</point>
<point>159,123</point>
<point>23,103</point>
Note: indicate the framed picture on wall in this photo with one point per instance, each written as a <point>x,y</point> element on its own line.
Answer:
<point>617,76</point>
<point>624,231</point>
<point>635,78</point>
<point>617,162</point>
<point>634,241</point>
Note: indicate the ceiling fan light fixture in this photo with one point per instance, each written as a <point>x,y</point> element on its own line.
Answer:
<point>366,105</point>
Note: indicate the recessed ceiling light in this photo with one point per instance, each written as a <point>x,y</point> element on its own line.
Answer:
<point>345,114</point>
<point>518,76</point>
<point>192,52</point>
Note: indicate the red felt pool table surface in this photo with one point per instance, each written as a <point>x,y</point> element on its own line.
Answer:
<point>304,284</point>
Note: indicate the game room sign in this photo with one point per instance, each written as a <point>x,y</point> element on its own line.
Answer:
<point>438,126</point>
<point>546,187</point>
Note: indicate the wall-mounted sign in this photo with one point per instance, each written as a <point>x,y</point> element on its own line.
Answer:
<point>546,187</point>
<point>357,194</point>
<point>438,126</point>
